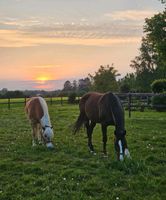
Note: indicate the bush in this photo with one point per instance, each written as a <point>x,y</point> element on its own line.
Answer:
<point>159,86</point>
<point>159,102</point>
<point>125,88</point>
<point>72,97</point>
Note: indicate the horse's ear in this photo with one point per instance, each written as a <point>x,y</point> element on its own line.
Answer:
<point>104,107</point>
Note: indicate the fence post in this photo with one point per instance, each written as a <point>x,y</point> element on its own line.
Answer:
<point>25,100</point>
<point>148,100</point>
<point>51,101</point>
<point>129,104</point>
<point>8,103</point>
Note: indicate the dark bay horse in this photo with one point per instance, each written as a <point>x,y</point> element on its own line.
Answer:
<point>105,109</point>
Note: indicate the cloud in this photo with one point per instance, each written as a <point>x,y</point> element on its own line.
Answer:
<point>44,66</point>
<point>132,15</point>
<point>115,28</point>
<point>14,38</point>
<point>20,23</point>
<point>103,34</point>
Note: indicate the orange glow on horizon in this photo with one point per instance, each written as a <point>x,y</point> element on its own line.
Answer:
<point>43,86</point>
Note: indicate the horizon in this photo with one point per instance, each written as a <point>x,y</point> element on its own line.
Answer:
<point>45,43</point>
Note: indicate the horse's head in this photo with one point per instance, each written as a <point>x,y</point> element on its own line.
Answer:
<point>121,145</point>
<point>48,135</point>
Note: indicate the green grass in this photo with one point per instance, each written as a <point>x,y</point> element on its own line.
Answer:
<point>70,171</point>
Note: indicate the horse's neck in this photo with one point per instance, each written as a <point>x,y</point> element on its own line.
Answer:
<point>45,120</point>
<point>120,124</point>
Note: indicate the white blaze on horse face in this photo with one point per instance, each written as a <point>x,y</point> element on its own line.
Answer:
<point>49,132</point>
<point>120,150</point>
<point>127,153</point>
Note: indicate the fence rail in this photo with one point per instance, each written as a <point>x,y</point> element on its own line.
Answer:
<point>130,101</point>
<point>50,100</point>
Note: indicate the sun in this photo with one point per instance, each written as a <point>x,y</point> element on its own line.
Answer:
<point>42,79</point>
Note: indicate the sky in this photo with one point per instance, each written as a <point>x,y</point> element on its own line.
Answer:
<point>43,43</point>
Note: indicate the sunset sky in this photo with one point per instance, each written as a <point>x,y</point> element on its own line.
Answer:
<point>45,42</point>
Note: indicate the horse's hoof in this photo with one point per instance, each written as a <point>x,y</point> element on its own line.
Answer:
<point>40,143</point>
<point>34,144</point>
<point>93,152</point>
<point>105,155</point>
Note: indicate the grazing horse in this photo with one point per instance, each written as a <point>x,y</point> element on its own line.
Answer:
<point>105,109</point>
<point>37,112</point>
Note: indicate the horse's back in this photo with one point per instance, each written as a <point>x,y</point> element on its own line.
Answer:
<point>89,105</point>
<point>98,107</point>
<point>34,109</point>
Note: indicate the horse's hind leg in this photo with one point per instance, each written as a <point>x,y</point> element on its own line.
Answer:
<point>104,132</point>
<point>90,126</point>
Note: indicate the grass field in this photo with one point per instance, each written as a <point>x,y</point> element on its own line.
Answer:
<point>69,171</point>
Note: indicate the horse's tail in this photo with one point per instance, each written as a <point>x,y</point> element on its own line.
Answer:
<point>80,121</point>
<point>82,116</point>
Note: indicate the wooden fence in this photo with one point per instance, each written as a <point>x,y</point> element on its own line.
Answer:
<point>22,101</point>
<point>135,101</point>
<point>130,101</point>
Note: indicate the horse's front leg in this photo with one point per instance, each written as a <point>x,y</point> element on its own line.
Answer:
<point>104,132</point>
<point>90,127</point>
<point>39,134</point>
<point>34,133</point>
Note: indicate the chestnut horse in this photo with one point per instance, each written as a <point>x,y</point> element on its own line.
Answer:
<point>37,111</point>
<point>105,109</point>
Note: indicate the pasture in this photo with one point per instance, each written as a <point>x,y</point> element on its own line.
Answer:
<point>70,172</point>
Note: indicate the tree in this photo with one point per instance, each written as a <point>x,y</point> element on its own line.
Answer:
<point>151,63</point>
<point>159,86</point>
<point>163,1</point>
<point>84,84</point>
<point>67,86</point>
<point>14,94</point>
<point>155,29</point>
<point>4,91</point>
<point>128,83</point>
<point>72,97</point>
<point>159,100</point>
<point>74,85</point>
<point>144,69</point>
<point>105,79</point>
